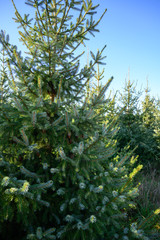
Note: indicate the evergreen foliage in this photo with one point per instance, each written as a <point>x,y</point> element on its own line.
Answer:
<point>137,124</point>
<point>129,121</point>
<point>60,174</point>
<point>157,129</point>
<point>149,110</point>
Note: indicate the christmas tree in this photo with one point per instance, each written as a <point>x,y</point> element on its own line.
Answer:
<point>157,131</point>
<point>129,121</point>
<point>150,146</point>
<point>60,174</point>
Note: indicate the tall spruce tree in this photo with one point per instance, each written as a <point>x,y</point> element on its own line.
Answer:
<point>137,124</point>
<point>129,121</point>
<point>149,143</point>
<point>148,109</point>
<point>157,132</point>
<point>58,177</point>
<point>94,87</point>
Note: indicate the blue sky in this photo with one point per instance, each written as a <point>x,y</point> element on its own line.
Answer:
<point>131,31</point>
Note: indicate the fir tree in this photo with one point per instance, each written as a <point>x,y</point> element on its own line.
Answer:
<point>148,109</point>
<point>59,179</point>
<point>149,143</point>
<point>157,132</point>
<point>129,120</point>
<point>137,124</point>
<point>94,87</point>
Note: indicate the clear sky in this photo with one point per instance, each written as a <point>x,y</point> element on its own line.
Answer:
<point>131,31</point>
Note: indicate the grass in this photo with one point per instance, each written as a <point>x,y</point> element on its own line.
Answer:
<point>147,202</point>
<point>149,190</point>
